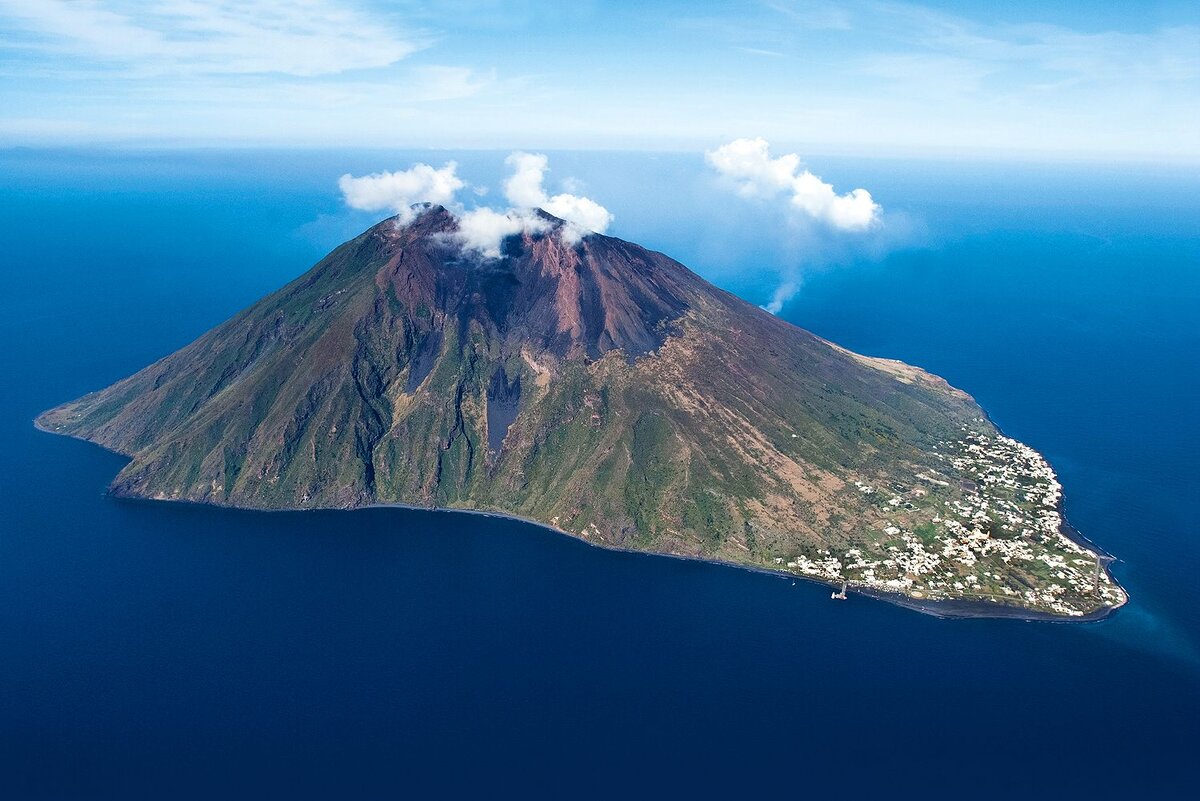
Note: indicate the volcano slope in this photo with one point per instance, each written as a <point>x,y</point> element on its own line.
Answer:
<point>605,390</point>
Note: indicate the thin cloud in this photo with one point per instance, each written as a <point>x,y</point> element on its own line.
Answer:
<point>1024,54</point>
<point>157,37</point>
<point>857,76</point>
<point>758,51</point>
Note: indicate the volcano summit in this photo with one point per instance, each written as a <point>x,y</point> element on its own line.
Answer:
<point>588,384</point>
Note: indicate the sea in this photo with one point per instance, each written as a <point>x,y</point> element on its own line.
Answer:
<point>164,651</point>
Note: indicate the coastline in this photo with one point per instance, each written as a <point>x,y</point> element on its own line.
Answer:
<point>1072,533</point>
<point>945,609</point>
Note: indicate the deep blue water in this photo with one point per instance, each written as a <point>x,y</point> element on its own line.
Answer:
<point>151,650</point>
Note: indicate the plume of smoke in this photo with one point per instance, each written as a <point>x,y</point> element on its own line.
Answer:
<point>748,163</point>
<point>399,191</point>
<point>786,290</point>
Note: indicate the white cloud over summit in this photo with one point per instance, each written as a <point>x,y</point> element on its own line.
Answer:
<point>484,229</point>
<point>398,191</point>
<point>481,229</point>
<point>748,163</point>
<point>524,189</point>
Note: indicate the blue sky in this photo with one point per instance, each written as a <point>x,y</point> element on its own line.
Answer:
<point>1090,80</point>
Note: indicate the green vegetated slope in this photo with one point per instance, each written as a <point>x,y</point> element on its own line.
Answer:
<point>600,388</point>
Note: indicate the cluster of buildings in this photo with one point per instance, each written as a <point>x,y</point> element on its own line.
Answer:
<point>993,531</point>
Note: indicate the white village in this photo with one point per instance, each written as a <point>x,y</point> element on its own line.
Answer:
<point>995,533</point>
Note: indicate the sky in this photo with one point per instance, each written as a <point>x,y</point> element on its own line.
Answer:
<point>1061,80</point>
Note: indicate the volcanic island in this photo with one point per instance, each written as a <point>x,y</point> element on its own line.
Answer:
<point>584,383</point>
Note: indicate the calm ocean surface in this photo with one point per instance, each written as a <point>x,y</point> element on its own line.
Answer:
<point>150,650</point>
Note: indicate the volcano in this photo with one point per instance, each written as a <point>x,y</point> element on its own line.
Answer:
<point>605,390</point>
